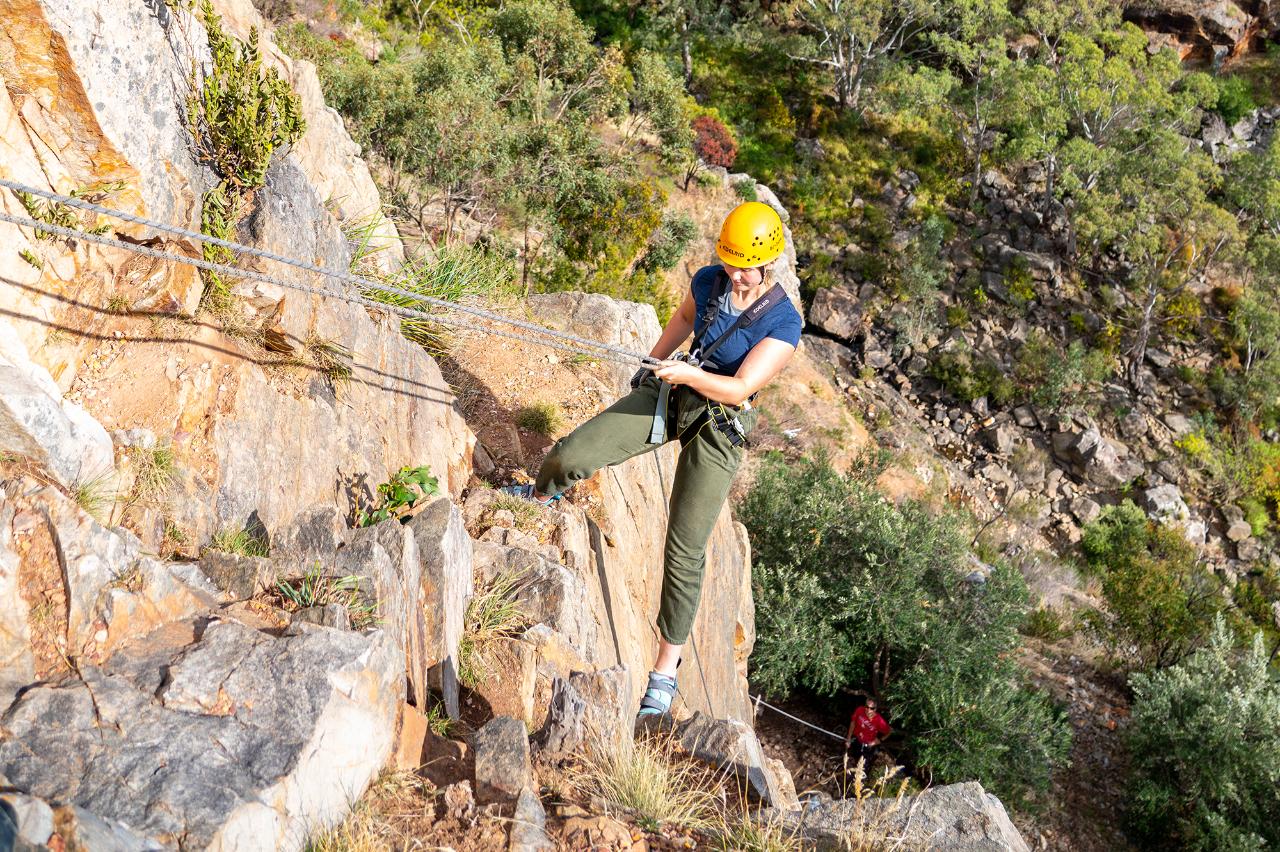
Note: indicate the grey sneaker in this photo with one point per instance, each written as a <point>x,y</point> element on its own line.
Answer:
<point>526,492</point>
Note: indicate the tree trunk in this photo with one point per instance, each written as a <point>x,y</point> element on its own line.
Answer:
<point>524,257</point>
<point>1144,331</point>
<point>1050,172</point>
<point>686,53</point>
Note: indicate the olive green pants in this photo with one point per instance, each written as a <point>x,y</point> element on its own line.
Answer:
<point>703,475</point>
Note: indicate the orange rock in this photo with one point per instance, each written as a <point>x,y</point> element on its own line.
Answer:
<point>412,738</point>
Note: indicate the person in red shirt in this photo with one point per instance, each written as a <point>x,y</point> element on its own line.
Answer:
<point>870,728</point>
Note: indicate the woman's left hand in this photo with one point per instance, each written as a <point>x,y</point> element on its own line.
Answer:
<point>677,372</point>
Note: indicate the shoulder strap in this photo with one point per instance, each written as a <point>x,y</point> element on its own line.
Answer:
<point>719,286</point>
<point>775,296</point>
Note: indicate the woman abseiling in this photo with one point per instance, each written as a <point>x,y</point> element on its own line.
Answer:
<point>745,330</point>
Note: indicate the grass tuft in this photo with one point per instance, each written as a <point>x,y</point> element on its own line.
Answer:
<point>493,613</point>
<point>455,273</point>
<point>744,831</point>
<point>653,781</point>
<point>316,589</point>
<point>526,512</point>
<point>241,542</point>
<point>153,472</point>
<point>96,495</point>
<point>438,721</point>
<point>392,814</point>
<point>331,358</point>
<point>542,418</point>
<point>874,827</point>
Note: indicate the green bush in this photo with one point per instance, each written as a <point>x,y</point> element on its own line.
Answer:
<point>1047,623</point>
<point>1205,741</point>
<point>920,272</point>
<point>1235,99</point>
<point>399,494</point>
<point>957,316</point>
<point>1019,283</point>
<point>668,243</point>
<point>967,376</point>
<point>1255,512</point>
<point>1053,378</point>
<point>242,112</point>
<point>853,590</point>
<point>745,190</point>
<point>1161,600</point>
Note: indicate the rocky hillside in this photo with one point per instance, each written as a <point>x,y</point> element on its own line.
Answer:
<point>200,648</point>
<point>1047,469</point>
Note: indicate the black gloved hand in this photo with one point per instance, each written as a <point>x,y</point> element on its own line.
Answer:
<point>638,378</point>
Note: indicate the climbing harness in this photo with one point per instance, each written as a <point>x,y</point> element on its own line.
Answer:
<point>723,417</point>
<point>559,339</point>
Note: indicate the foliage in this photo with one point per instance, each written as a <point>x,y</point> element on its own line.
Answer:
<point>331,358</point>
<point>968,376</point>
<point>978,720</point>
<point>657,104</point>
<point>852,589</point>
<point>1047,623</point>
<point>241,542</point>
<point>1160,599</point>
<point>1053,378</point>
<point>453,273</point>
<point>1235,99</point>
<point>713,142</point>
<point>745,189</point>
<point>399,495</point>
<point>494,612</point>
<point>652,779</point>
<point>152,471</point>
<point>220,210</point>
<point>96,494</point>
<point>1205,741</point>
<point>241,113</point>
<point>64,215</point>
<point>918,282</point>
<point>1235,466</point>
<point>668,243</point>
<point>852,40</point>
<point>542,418</point>
<point>315,588</point>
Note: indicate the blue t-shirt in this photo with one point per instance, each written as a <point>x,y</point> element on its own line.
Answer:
<point>782,322</point>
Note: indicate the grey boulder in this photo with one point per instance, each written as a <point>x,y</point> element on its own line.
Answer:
<point>955,818</point>
<point>240,740</point>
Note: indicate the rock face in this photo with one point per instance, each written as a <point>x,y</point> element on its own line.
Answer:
<point>238,740</point>
<point>957,818</point>
<point>590,711</point>
<point>215,401</point>
<point>1102,462</point>
<point>1213,28</point>
<point>145,702</point>
<point>732,745</point>
<point>37,424</point>
<point>837,311</point>
<point>502,759</point>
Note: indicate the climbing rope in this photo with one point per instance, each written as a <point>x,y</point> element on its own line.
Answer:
<point>760,702</point>
<point>569,342</point>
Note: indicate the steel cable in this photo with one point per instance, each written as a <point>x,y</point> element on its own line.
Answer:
<point>624,355</point>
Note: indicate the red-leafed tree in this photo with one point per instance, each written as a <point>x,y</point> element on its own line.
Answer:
<point>713,145</point>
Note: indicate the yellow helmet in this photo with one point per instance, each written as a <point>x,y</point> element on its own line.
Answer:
<point>751,236</point>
